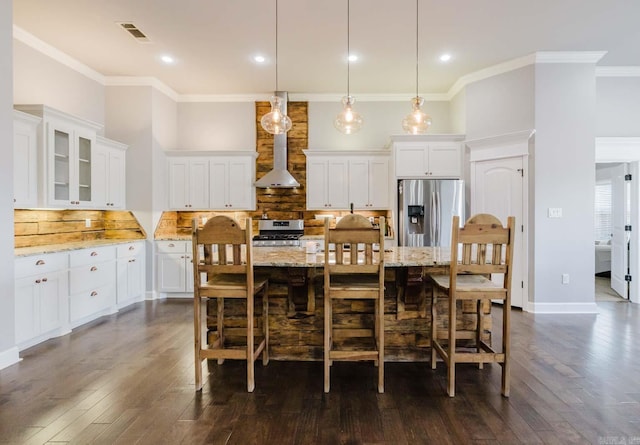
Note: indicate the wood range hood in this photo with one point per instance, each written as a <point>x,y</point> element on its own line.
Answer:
<point>279,176</point>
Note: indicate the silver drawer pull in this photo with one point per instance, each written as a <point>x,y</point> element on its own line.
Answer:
<point>37,281</point>
<point>132,247</point>
<point>94,253</point>
<point>172,245</point>
<point>39,262</point>
<point>94,293</point>
<point>93,269</point>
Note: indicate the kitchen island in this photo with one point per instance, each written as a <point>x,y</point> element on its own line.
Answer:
<point>296,303</point>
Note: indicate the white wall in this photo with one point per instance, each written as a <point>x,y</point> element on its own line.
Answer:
<point>501,104</point>
<point>618,106</point>
<point>381,120</point>
<point>8,351</point>
<point>38,79</point>
<point>458,112</point>
<point>216,126</point>
<point>565,115</point>
<point>129,120</point>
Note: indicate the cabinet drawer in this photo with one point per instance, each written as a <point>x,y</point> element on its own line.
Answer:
<point>90,302</point>
<point>38,264</point>
<point>173,246</point>
<point>130,249</point>
<point>91,276</point>
<point>92,256</point>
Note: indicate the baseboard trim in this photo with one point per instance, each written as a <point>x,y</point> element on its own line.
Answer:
<point>563,308</point>
<point>9,357</point>
<point>151,295</point>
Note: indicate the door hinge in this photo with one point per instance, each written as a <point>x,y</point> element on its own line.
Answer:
<point>627,278</point>
<point>628,177</point>
<point>627,228</point>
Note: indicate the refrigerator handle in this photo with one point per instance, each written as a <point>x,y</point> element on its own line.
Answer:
<point>438,221</point>
<point>432,218</point>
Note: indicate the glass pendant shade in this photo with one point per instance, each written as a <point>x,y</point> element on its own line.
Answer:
<point>275,121</point>
<point>416,122</point>
<point>348,121</point>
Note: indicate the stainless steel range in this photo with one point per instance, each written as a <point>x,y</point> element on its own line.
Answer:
<point>279,232</point>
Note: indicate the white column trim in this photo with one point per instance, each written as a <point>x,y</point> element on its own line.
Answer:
<point>501,146</point>
<point>9,357</point>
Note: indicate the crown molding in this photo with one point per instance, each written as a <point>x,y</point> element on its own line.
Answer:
<point>57,55</point>
<point>485,73</point>
<point>135,81</point>
<point>569,56</point>
<point>618,71</point>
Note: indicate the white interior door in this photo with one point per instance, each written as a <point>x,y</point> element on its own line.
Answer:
<point>498,188</point>
<point>619,218</point>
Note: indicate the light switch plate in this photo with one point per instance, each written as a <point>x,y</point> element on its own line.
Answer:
<point>555,212</point>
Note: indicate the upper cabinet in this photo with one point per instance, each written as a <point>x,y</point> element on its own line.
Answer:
<point>25,160</point>
<point>337,179</point>
<point>428,156</point>
<point>211,180</point>
<point>109,174</point>
<point>67,152</point>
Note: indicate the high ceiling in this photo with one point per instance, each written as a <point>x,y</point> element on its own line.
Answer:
<point>214,41</point>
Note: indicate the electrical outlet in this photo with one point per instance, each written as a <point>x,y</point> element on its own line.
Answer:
<point>87,222</point>
<point>555,212</point>
<point>565,278</point>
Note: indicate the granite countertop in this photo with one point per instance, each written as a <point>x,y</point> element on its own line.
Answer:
<point>393,257</point>
<point>54,248</point>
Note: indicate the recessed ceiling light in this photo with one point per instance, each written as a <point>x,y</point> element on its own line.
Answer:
<point>353,58</point>
<point>167,59</point>
<point>259,59</point>
<point>445,57</point>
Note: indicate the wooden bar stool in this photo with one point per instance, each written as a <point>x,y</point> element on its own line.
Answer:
<point>481,248</point>
<point>217,255</point>
<point>357,273</point>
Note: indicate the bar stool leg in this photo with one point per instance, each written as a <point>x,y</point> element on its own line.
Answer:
<point>434,322</point>
<point>251,384</point>
<point>327,342</point>
<point>265,324</point>
<point>197,335</point>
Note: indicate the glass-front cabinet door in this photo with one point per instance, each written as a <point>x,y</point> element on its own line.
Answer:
<point>71,153</point>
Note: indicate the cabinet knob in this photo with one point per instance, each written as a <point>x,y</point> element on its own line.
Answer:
<point>38,281</point>
<point>44,280</point>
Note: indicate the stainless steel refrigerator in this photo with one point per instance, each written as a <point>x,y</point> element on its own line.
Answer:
<point>425,210</point>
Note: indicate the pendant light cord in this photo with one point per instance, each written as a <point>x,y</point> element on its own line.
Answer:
<point>348,42</point>
<point>417,95</point>
<point>276,45</point>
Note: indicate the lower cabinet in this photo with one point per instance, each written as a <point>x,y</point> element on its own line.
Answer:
<point>92,283</point>
<point>175,267</point>
<point>58,291</point>
<point>130,271</point>
<point>41,295</point>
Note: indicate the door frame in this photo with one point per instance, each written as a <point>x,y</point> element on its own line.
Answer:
<point>509,145</point>
<point>627,149</point>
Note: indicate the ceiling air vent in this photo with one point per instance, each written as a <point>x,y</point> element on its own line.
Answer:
<point>134,32</point>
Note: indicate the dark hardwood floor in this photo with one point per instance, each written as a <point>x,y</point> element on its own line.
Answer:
<point>128,379</point>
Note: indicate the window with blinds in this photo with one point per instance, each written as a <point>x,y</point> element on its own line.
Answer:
<point>603,218</point>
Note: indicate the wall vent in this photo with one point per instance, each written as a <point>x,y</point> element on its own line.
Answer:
<point>134,32</point>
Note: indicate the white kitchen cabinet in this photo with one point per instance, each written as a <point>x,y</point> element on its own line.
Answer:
<point>369,182</point>
<point>232,183</point>
<point>25,160</point>
<point>327,182</point>
<point>188,183</point>
<point>175,266</point>
<point>130,273</point>
<point>41,298</point>
<point>428,156</point>
<point>109,174</point>
<point>211,180</point>
<point>92,283</point>
<point>65,150</point>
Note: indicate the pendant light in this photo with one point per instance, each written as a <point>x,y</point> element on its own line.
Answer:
<point>348,121</point>
<point>276,121</point>
<point>416,122</point>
